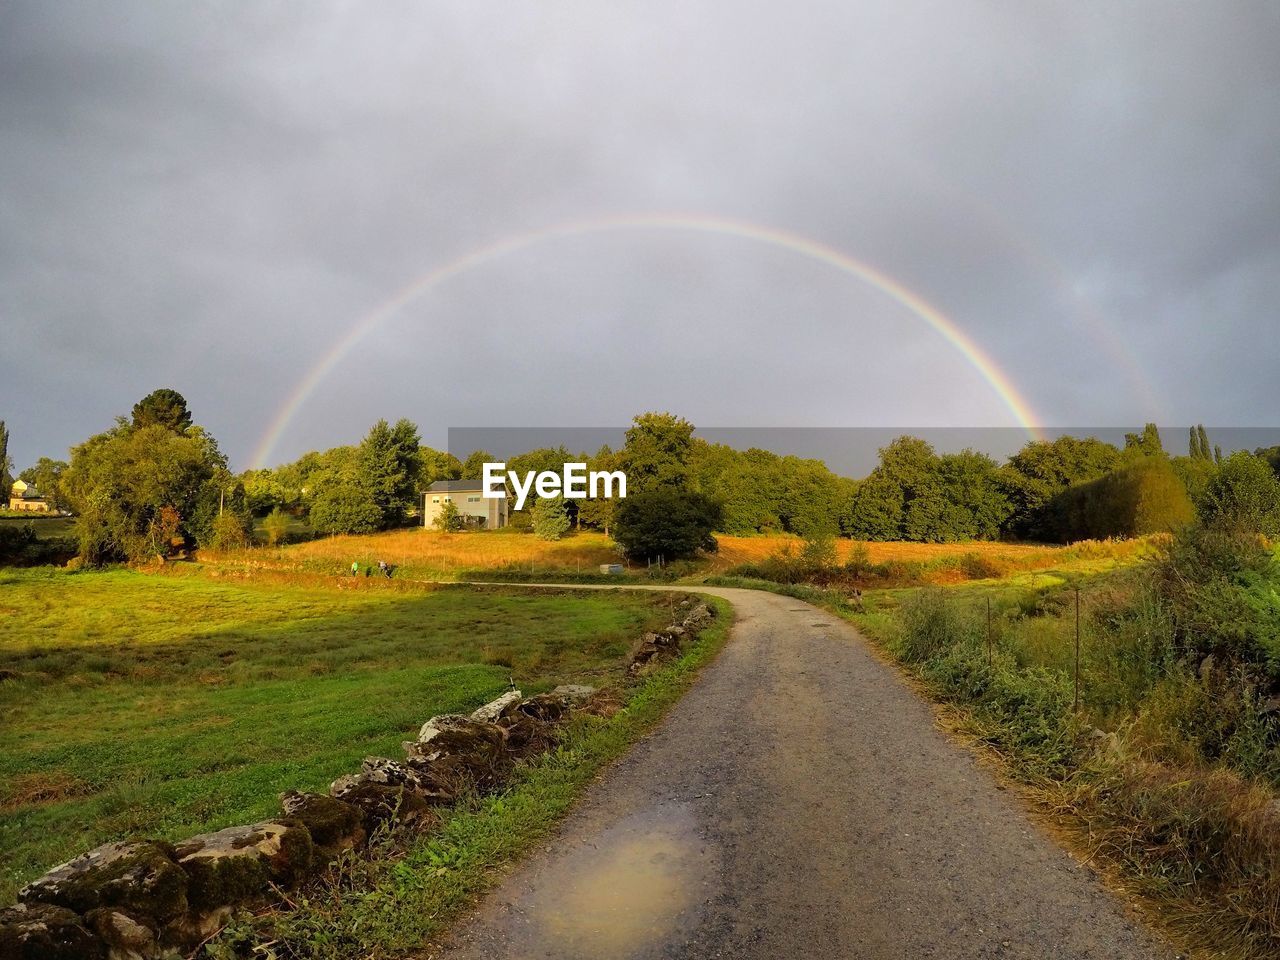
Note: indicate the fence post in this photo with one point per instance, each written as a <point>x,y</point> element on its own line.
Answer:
<point>1076,704</point>
<point>990,643</point>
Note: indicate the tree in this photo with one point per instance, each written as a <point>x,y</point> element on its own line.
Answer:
<point>437,465</point>
<point>228,532</point>
<point>902,498</point>
<point>1041,470</point>
<point>345,508</point>
<point>389,467</point>
<point>165,408</point>
<point>1144,444</point>
<point>6,465</point>
<point>975,505</point>
<point>46,477</point>
<point>449,519</point>
<point>120,482</point>
<point>665,522</point>
<point>473,466</point>
<point>1203,436</point>
<point>276,526</point>
<point>1141,497</point>
<point>598,511</point>
<point>1244,494</point>
<point>550,521</point>
<point>264,491</point>
<point>656,452</point>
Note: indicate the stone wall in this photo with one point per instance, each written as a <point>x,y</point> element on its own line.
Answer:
<point>147,899</point>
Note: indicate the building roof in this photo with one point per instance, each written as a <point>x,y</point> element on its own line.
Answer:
<point>456,486</point>
<point>25,491</point>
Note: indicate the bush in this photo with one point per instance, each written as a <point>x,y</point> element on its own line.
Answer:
<point>449,519</point>
<point>550,521</point>
<point>933,625</point>
<point>1144,497</point>
<point>1244,494</point>
<point>665,522</point>
<point>345,508</point>
<point>276,526</point>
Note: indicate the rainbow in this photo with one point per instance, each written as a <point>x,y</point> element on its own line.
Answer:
<point>781,239</point>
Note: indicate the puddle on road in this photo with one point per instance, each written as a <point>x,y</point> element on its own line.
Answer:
<point>628,895</point>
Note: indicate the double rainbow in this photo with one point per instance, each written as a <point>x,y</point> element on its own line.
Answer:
<point>781,239</point>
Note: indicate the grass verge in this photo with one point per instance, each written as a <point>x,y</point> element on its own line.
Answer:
<point>169,704</point>
<point>1164,775</point>
<point>395,902</point>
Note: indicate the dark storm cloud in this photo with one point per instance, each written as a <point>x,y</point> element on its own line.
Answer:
<point>209,196</point>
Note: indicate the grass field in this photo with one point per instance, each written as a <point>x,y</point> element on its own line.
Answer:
<point>430,555</point>
<point>167,704</point>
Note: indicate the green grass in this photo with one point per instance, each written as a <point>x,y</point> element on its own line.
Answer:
<point>398,898</point>
<point>167,705</point>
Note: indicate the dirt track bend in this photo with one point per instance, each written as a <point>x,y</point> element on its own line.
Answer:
<point>798,802</point>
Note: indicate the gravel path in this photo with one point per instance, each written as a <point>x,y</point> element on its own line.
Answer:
<point>799,802</point>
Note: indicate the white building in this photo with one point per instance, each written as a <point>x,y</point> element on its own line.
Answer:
<point>474,507</point>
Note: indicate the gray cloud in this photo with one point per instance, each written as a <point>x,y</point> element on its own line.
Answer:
<point>208,197</point>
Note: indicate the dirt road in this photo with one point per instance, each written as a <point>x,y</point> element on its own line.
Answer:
<point>799,802</point>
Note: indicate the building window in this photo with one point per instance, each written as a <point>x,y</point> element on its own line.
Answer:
<point>435,499</point>
<point>473,499</point>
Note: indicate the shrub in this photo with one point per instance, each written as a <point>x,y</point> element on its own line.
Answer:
<point>665,522</point>
<point>1244,494</point>
<point>276,526</point>
<point>449,519</point>
<point>933,625</point>
<point>1141,498</point>
<point>345,508</point>
<point>550,521</point>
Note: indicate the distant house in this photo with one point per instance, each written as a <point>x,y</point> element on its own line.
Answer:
<point>473,506</point>
<point>23,496</point>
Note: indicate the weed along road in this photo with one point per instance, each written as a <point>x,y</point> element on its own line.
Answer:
<point>798,802</point>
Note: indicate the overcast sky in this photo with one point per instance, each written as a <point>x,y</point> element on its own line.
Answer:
<point>210,196</point>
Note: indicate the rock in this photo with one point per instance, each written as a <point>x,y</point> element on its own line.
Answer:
<point>675,631</point>
<point>334,825</point>
<point>547,707</point>
<point>495,710</point>
<point>237,864</point>
<point>43,931</point>
<point>380,804</point>
<point>125,938</point>
<point>140,879</point>
<point>381,772</point>
<point>577,694</point>
<point>452,751</point>
<point>651,646</point>
<point>699,617</point>
<point>451,735</point>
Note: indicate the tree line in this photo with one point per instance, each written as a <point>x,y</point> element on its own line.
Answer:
<point>156,482</point>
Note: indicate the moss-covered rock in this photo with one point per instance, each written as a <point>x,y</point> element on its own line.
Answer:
<point>43,931</point>
<point>334,825</point>
<point>379,803</point>
<point>237,865</point>
<point>139,878</point>
<point>125,938</point>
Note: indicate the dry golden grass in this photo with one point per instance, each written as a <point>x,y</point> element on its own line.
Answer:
<point>432,554</point>
<point>452,552</point>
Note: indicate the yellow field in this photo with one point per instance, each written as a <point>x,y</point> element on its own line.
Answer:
<point>432,554</point>
<point>448,553</point>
